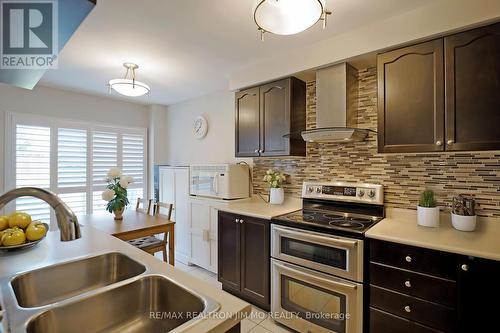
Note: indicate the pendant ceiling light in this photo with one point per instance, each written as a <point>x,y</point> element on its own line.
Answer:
<point>129,86</point>
<point>289,17</point>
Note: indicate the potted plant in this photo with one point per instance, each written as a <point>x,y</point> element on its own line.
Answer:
<point>275,179</point>
<point>463,213</point>
<point>116,192</point>
<point>427,210</point>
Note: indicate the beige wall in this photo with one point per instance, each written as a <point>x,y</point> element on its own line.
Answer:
<point>66,105</point>
<point>218,146</point>
<point>438,17</point>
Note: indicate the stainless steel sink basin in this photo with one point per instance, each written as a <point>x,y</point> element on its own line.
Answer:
<point>143,305</point>
<point>55,283</point>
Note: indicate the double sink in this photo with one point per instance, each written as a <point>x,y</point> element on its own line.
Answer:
<point>109,292</point>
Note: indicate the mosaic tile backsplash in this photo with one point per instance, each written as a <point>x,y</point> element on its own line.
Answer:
<point>404,176</point>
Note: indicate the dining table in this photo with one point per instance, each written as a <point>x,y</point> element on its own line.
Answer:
<point>135,224</point>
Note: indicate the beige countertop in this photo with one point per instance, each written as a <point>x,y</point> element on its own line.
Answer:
<point>400,226</point>
<point>94,242</point>
<point>257,207</point>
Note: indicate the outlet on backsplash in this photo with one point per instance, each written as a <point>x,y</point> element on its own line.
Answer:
<point>404,176</point>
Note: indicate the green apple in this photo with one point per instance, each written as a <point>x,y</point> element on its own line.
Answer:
<point>13,236</point>
<point>4,222</point>
<point>19,219</point>
<point>35,231</point>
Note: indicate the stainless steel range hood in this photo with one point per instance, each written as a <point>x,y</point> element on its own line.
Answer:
<point>336,106</point>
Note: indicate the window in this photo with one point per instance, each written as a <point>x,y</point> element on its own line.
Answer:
<point>71,159</point>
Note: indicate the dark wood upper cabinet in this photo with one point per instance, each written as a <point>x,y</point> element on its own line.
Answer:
<point>441,95</point>
<point>411,99</point>
<point>247,123</point>
<point>244,257</point>
<point>266,114</point>
<point>473,89</point>
<point>229,250</point>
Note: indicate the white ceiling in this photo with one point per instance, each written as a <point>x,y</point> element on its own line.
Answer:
<point>189,48</point>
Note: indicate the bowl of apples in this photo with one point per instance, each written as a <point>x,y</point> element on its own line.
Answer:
<point>19,231</point>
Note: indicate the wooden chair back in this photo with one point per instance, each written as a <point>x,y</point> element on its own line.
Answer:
<point>168,208</point>
<point>146,206</point>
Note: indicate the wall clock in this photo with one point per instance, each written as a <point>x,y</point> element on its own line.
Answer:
<point>200,127</point>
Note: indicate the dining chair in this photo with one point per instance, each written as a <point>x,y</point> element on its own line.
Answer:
<point>146,206</point>
<point>154,244</point>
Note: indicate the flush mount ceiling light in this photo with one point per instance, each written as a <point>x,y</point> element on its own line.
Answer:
<point>289,17</point>
<point>129,86</point>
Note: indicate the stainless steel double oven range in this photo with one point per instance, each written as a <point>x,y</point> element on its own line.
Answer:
<point>317,266</point>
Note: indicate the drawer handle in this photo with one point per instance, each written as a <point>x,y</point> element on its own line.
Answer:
<point>465,267</point>
<point>408,259</point>
<point>408,284</point>
<point>408,308</point>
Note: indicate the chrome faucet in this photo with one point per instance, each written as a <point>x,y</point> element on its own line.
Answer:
<point>66,219</point>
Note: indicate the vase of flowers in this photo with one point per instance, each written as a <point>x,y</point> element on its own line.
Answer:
<point>116,192</point>
<point>275,179</point>
<point>427,210</point>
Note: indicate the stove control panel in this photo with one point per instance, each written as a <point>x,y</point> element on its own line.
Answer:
<point>340,191</point>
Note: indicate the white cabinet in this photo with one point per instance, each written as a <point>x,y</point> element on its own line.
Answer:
<point>174,189</point>
<point>204,233</point>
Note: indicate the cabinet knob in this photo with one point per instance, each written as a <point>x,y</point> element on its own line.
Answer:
<point>450,142</point>
<point>261,151</point>
<point>256,151</point>
<point>241,221</point>
<point>439,143</point>
<point>465,267</point>
<point>408,259</point>
<point>237,220</point>
<point>408,308</point>
<point>407,284</point>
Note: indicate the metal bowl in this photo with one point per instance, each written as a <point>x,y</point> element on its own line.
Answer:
<point>25,245</point>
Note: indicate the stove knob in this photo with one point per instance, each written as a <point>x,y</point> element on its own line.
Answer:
<point>310,189</point>
<point>361,193</point>
<point>371,194</point>
<point>318,190</point>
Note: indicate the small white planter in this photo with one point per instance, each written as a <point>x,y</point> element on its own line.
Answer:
<point>277,196</point>
<point>428,216</point>
<point>463,223</point>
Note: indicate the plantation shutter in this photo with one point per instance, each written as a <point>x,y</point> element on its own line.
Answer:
<point>133,164</point>
<point>104,157</point>
<point>32,156</point>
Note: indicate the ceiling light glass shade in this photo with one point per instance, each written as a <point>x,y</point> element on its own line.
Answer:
<point>288,17</point>
<point>129,87</point>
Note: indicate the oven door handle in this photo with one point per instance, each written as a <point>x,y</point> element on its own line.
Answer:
<point>292,268</point>
<point>307,235</point>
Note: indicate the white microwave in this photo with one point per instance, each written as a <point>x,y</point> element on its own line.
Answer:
<point>222,181</point>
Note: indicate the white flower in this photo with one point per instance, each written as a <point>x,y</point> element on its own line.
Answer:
<point>123,182</point>
<point>129,179</point>
<point>270,171</point>
<point>114,172</point>
<point>108,195</point>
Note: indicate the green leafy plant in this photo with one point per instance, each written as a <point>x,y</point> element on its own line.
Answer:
<point>427,199</point>
<point>116,190</point>
<point>275,178</point>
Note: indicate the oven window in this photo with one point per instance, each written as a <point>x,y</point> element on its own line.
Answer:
<point>322,307</point>
<point>321,254</point>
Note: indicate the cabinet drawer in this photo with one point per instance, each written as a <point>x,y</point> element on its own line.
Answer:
<point>417,259</point>
<point>383,322</point>
<point>412,308</point>
<point>437,290</point>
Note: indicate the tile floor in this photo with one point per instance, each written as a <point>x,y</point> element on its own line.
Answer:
<point>259,320</point>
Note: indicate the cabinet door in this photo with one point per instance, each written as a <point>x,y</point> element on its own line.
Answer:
<point>473,89</point>
<point>167,187</point>
<point>200,230</point>
<point>479,291</point>
<point>275,118</point>
<point>229,251</point>
<point>255,262</point>
<point>247,123</point>
<point>181,209</point>
<point>411,99</point>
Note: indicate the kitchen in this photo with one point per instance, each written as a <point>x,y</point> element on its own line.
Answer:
<point>330,188</point>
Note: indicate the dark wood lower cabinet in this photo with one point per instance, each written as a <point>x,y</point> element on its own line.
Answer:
<point>243,257</point>
<point>409,293</point>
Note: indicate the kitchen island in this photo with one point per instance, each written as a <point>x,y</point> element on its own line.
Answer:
<point>227,312</point>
